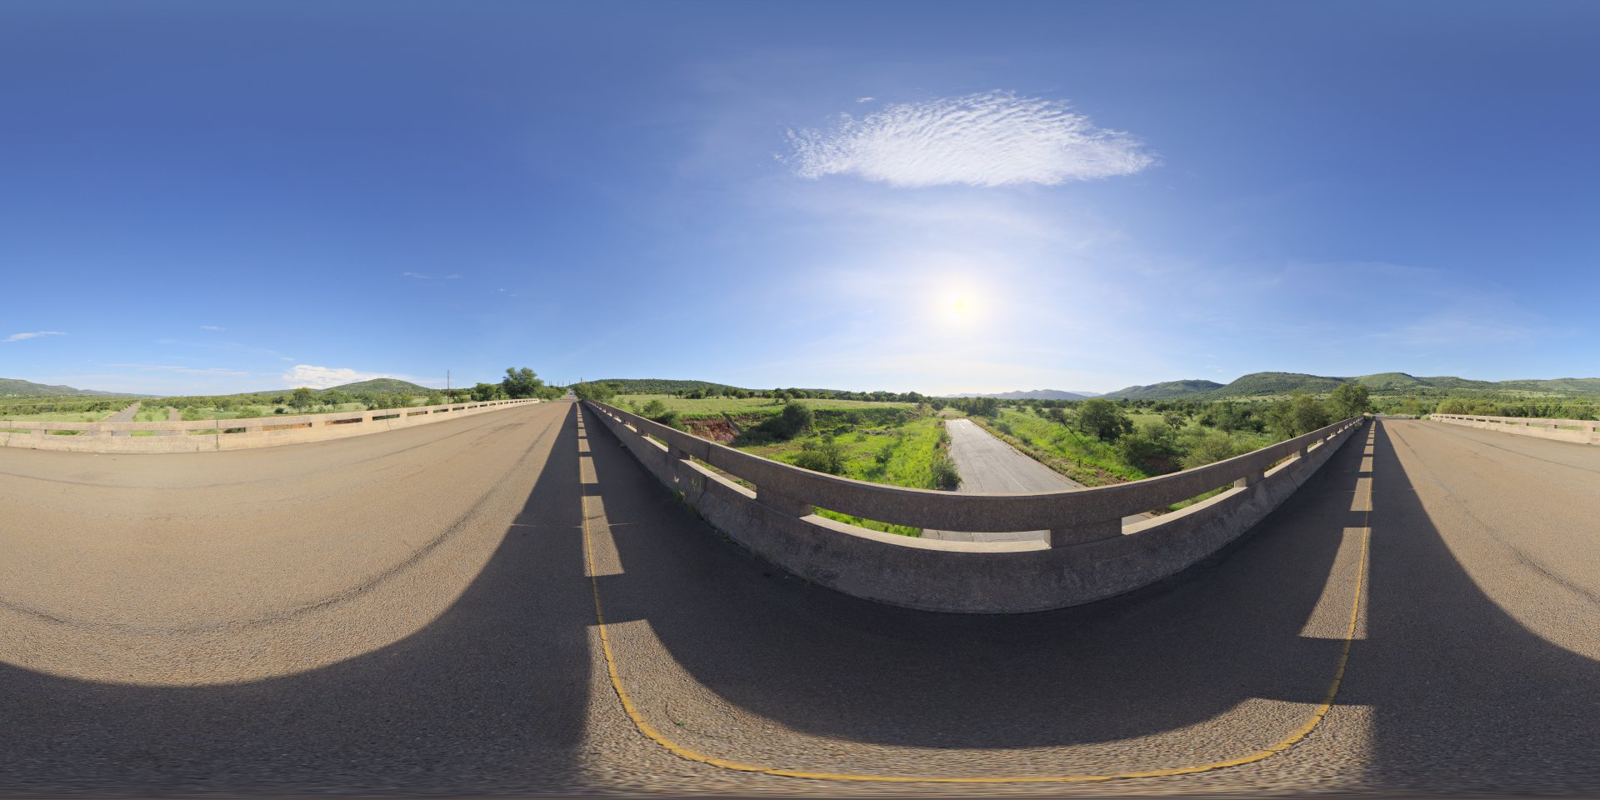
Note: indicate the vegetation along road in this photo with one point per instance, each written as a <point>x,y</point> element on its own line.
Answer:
<point>422,611</point>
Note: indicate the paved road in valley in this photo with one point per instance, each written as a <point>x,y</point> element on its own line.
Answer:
<point>415,611</point>
<point>125,415</point>
<point>990,466</point>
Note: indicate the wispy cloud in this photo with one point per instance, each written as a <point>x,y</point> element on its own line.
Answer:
<point>18,337</point>
<point>325,377</point>
<point>987,139</point>
<point>421,277</point>
<point>221,371</point>
<point>212,328</point>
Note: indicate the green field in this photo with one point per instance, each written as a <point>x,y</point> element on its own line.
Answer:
<point>1092,462</point>
<point>898,455</point>
<point>892,443</point>
<point>60,416</point>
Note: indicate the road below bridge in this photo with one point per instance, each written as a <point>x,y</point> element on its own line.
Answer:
<point>419,611</point>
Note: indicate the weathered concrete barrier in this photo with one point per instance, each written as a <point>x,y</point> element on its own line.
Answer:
<point>1091,555</point>
<point>229,434</point>
<point>1582,431</point>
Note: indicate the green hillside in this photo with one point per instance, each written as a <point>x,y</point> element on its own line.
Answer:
<point>13,387</point>
<point>382,386</point>
<point>1260,384</point>
<point>1268,384</point>
<point>1576,386</point>
<point>660,385</point>
<point>1165,391</point>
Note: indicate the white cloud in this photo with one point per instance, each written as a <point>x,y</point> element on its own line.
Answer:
<point>865,99</point>
<point>212,328</point>
<point>421,277</point>
<point>17,337</point>
<point>987,139</point>
<point>324,377</point>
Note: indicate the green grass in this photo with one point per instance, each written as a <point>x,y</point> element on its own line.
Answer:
<point>148,413</point>
<point>269,411</point>
<point>740,407</point>
<point>900,455</point>
<point>1090,461</point>
<point>1084,459</point>
<point>62,416</point>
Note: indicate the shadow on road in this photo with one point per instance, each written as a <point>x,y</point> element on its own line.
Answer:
<point>491,695</point>
<point>1466,697</point>
<point>832,666</point>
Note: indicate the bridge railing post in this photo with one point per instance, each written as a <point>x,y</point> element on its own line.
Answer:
<point>784,504</point>
<point>1085,532</point>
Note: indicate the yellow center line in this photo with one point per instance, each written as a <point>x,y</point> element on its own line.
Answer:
<point>649,731</point>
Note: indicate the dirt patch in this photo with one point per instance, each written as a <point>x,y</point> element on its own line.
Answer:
<point>717,430</point>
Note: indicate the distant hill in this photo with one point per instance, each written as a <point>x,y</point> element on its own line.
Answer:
<point>1035,394</point>
<point>1265,384</point>
<point>1166,390</point>
<point>660,385</point>
<point>382,386</point>
<point>1257,384</point>
<point>1580,386</point>
<point>13,387</point>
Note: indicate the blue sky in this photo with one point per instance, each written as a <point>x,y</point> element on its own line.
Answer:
<point>203,197</point>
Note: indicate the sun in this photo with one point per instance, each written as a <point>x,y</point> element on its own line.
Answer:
<point>959,307</point>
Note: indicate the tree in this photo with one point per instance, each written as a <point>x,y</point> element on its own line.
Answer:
<point>825,456</point>
<point>302,399</point>
<point>521,383</point>
<point>795,420</point>
<point>1142,446</point>
<point>1103,420</point>
<point>1300,414</point>
<point>598,392</point>
<point>1349,400</point>
<point>486,391</point>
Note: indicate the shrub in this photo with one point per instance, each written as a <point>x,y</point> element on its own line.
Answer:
<point>1148,441</point>
<point>825,455</point>
<point>1103,420</point>
<point>1300,414</point>
<point>1214,446</point>
<point>796,419</point>
<point>945,473</point>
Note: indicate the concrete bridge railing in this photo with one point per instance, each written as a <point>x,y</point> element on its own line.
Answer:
<point>1582,431</point>
<point>192,436</point>
<point>1091,554</point>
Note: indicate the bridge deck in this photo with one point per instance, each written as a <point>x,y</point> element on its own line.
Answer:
<point>417,610</point>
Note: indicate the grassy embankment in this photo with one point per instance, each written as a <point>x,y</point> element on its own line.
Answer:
<point>880,442</point>
<point>1093,462</point>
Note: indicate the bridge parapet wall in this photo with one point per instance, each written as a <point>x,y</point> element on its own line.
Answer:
<point>193,436</point>
<point>1091,554</point>
<point>1582,431</point>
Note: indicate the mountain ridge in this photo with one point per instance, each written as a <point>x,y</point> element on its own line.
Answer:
<point>1264,384</point>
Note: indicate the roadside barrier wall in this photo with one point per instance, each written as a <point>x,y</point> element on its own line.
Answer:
<point>1582,431</point>
<point>1091,554</point>
<point>229,434</point>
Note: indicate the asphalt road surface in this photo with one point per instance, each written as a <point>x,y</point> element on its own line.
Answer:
<point>125,415</point>
<point>990,466</point>
<point>416,611</point>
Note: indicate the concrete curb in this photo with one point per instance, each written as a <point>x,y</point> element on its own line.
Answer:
<point>1580,431</point>
<point>176,437</point>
